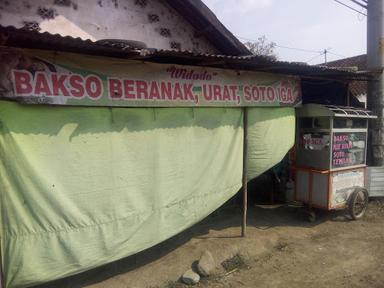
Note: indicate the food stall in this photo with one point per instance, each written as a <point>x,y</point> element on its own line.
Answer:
<point>331,148</point>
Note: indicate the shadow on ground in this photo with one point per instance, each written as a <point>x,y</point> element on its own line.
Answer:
<point>261,217</point>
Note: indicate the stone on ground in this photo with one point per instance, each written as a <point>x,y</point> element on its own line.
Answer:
<point>206,264</point>
<point>190,277</point>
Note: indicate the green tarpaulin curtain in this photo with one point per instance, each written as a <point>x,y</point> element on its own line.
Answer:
<point>81,187</point>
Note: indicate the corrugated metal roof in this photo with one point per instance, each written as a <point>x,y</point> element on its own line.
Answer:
<point>11,36</point>
<point>359,61</point>
<point>206,24</point>
<point>14,37</point>
<point>357,88</point>
<point>250,62</point>
<point>375,176</point>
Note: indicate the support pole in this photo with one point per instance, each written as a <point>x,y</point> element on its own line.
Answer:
<point>245,171</point>
<point>375,62</point>
<point>2,285</point>
<point>325,55</point>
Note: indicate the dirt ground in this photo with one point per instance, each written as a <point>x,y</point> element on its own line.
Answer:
<point>281,249</point>
<point>334,253</point>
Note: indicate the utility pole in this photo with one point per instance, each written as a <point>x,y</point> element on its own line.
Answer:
<point>325,55</point>
<point>375,62</point>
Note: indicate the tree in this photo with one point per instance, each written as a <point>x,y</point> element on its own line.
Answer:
<point>262,47</point>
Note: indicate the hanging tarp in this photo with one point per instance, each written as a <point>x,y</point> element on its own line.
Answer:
<point>271,134</point>
<point>81,187</point>
<point>47,77</point>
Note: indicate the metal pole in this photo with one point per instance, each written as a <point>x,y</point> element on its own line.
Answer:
<point>245,171</point>
<point>375,62</point>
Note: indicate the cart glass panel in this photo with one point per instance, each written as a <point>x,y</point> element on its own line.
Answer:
<point>348,149</point>
<point>344,123</point>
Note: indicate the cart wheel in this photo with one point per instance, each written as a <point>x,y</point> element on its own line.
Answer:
<point>358,203</point>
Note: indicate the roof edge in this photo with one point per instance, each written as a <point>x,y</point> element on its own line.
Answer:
<point>207,24</point>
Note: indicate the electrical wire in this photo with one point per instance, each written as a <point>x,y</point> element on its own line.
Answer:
<point>313,58</point>
<point>322,52</point>
<point>336,54</point>
<point>298,49</point>
<point>280,46</point>
<point>317,51</point>
<point>358,3</point>
<point>359,16</point>
<point>341,3</point>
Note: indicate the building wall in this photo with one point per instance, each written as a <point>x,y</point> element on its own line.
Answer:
<point>151,21</point>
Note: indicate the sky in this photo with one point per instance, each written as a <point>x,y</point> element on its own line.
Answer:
<point>303,24</point>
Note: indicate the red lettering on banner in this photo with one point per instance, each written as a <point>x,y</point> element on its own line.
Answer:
<point>177,93</point>
<point>22,82</point>
<point>129,92</point>
<point>188,93</point>
<point>41,85</point>
<point>114,88</point>
<point>226,94</point>
<point>233,92</point>
<point>270,94</point>
<point>219,93</point>
<point>58,84</point>
<point>154,91</point>
<point>247,93</point>
<point>93,86</point>
<point>76,82</point>
<point>283,95</point>
<point>207,93</point>
<point>166,90</point>
<point>289,96</point>
<point>216,92</point>
<point>262,92</point>
<point>186,86</point>
<point>141,90</point>
<point>255,94</point>
<point>182,73</point>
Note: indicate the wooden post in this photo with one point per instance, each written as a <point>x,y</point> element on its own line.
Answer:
<point>245,171</point>
<point>2,280</point>
<point>2,285</point>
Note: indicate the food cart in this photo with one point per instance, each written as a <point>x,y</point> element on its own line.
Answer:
<point>331,148</point>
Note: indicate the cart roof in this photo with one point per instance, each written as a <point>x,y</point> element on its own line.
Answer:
<point>318,110</point>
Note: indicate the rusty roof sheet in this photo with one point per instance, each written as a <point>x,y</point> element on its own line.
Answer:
<point>359,61</point>
<point>11,36</point>
<point>357,88</point>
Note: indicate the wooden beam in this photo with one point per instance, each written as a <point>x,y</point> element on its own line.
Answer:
<point>245,171</point>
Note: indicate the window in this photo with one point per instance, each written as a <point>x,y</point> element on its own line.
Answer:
<point>316,122</point>
<point>349,123</point>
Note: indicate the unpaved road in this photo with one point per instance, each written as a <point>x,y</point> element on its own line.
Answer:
<point>281,250</point>
<point>335,253</point>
